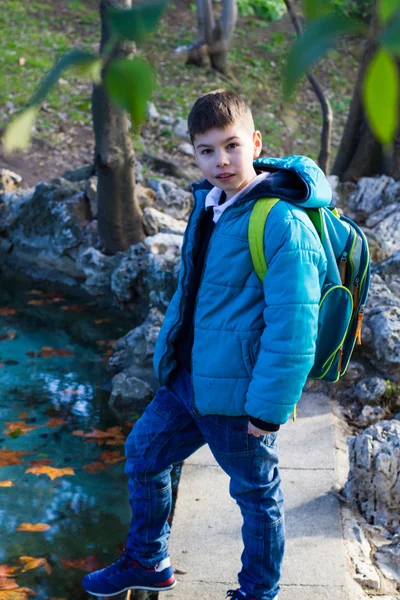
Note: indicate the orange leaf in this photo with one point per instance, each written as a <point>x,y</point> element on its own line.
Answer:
<point>33,527</point>
<point>6,483</point>
<point>74,307</point>
<point>19,425</point>
<point>71,391</point>
<point>54,422</point>
<point>34,563</point>
<point>112,457</point>
<point>16,594</point>
<point>51,471</point>
<point>40,462</point>
<point>23,415</point>
<point>10,457</point>
<point>88,564</point>
<point>5,312</point>
<point>99,321</point>
<point>8,584</point>
<point>36,302</point>
<point>95,466</point>
<point>49,352</point>
<point>7,571</point>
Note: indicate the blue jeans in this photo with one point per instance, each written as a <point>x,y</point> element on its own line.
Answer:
<point>167,433</point>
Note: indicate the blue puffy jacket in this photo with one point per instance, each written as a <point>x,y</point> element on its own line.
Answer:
<point>254,343</point>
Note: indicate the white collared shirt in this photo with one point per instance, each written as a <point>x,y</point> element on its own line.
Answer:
<point>214,196</point>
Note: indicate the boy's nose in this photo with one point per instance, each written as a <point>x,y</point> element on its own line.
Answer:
<point>222,159</point>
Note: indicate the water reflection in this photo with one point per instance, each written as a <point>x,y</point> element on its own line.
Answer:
<point>53,382</point>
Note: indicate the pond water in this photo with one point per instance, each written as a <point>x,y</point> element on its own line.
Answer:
<point>54,383</point>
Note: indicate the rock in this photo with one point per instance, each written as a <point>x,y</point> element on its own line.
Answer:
<point>9,181</point>
<point>98,269</point>
<point>186,149</point>
<point>374,476</point>
<point>149,272</point>
<point>138,171</point>
<point>342,193</point>
<point>164,166</point>
<point>170,198</point>
<point>155,221</point>
<point>370,196</point>
<point>370,391</point>
<point>359,552</point>
<point>52,220</point>
<point>80,174</point>
<point>90,192</point>
<point>166,120</point>
<point>388,559</point>
<point>152,112</point>
<point>145,196</point>
<point>129,394</point>
<point>370,415</point>
<point>137,346</point>
<point>180,128</point>
<point>378,216</point>
<point>389,271</point>
<point>387,232</point>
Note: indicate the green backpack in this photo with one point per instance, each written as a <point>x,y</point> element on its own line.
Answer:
<point>344,292</point>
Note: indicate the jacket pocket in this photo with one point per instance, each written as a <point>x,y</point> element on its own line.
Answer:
<point>247,356</point>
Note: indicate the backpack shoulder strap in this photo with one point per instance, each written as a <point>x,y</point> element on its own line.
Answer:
<point>257,222</point>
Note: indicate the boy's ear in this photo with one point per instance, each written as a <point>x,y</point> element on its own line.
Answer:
<point>257,142</point>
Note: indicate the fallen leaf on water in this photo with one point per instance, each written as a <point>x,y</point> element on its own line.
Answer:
<point>5,311</point>
<point>6,483</point>
<point>88,564</point>
<point>33,527</point>
<point>23,415</point>
<point>106,342</point>
<point>54,422</point>
<point>1,365</point>
<point>7,571</point>
<point>112,457</point>
<point>19,426</point>
<point>74,307</point>
<point>8,584</point>
<point>50,471</point>
<point>46,352</point>
<point>99,321</point>
<point>113,436</point>
<point>72,391</point>
<point>11,457</point>
<point>34,563</point>
<point>95,466</point>
<point>16,594</point>
<point>40,462</point>
<point>10,335</point>
<point>36,302</point>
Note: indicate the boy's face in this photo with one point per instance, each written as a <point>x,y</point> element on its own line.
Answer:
<point>225,156</point>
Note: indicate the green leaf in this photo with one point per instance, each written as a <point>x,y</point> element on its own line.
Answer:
<point>72,58</point>
<point>319,37</point>
<point>91,70</point>
<point>16,433</point>
<point>381,96</point>
<point>129,84</point>
<point>386,9</point>
<point>314,9</point>
<point>18,134</point>
<point>390,37</point>
<point>136,23</point>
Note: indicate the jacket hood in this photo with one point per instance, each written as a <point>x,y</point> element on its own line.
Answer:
<point>296,179</point>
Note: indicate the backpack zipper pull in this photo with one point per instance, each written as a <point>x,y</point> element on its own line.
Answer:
<point>356,291</point>
<point>340,360</point>
<point>343,265</point>
<point>359,325</point>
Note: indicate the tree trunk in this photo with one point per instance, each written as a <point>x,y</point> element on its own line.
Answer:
<point>119,214</point>
<point>213,36</point>
<point>327,114</point>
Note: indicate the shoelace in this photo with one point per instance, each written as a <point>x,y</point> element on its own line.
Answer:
<point>235,594</point>
<point>124,561</point>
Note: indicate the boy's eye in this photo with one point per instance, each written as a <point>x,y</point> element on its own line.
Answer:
<point>233,145</point>
<point>206,151</point>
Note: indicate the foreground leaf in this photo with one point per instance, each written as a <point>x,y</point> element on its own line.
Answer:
<point>320,36</point>
<point>94,467</point>
<point>33,527</point>
<point>381,96</point>
<point>6,483</point>
<point>88,564</point>
<point>20,427</point>
<point>129,84</point>
<point>52,472</point>
<point>136,23</point>
<point>390,37</point>
<point>387,8</point>
<point>18,134</point>
<point>7,571</point>
<point>112,457</point>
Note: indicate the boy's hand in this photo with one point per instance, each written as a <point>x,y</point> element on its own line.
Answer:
<point>253,430</point>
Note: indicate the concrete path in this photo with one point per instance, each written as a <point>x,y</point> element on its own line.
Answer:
<point>206,540</point>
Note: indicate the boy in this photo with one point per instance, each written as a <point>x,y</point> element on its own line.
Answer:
<point>232,355</point>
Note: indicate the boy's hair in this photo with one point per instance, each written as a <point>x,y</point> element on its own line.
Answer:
<point>218,108</point>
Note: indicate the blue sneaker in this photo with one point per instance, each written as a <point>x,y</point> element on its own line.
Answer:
<point>126,574</point>
<point>241,595</point>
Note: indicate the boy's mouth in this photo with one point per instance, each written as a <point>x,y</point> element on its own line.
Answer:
<point>225,176</point>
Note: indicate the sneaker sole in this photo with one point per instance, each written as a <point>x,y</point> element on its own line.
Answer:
<point>136,587</point>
